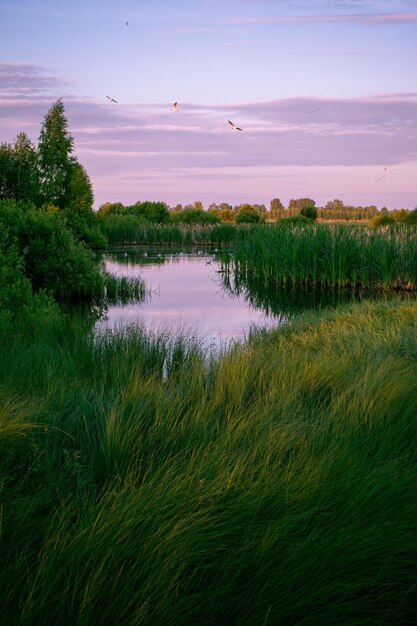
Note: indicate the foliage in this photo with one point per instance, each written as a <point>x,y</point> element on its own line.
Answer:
<point>55,162</point>
<point>19,176</point>
<point>53,260</point>
<point>193,216</point>
<point>381,220</point>
<point>295,220</point>
<point>248,214</point>
<point>310,212</point>
<point>300,203</point>
<point>411,217</point>
<point>142,485</point>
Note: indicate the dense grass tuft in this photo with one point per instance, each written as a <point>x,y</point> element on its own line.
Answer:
<point>143,484</point>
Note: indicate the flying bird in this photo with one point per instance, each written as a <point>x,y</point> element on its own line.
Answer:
<point>127,23</point>
<point>313,110</point>
<point>234,126</point>
<point>174,107</point>
<point>381,177</point>
<point>111,99</point>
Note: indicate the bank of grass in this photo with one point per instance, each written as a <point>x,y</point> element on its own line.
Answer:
<point>142,484</point>
<point>331,256</point>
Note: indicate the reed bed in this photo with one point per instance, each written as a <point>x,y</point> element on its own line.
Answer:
<point>122,289</point>
<point>129,230</point>
<point>143,484</point>
<point>335,256</point>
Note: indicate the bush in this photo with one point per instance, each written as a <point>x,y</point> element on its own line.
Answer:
<point>248,217</point>
<point>381,220</point>
<point>295,220</point>
<point>16,295</point>
<point>50,256</point>
<point>310,212</point>
<point>411,218</point>
<point>193,216</point>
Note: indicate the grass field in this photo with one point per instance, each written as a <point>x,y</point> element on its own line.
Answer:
<point>142,484</point>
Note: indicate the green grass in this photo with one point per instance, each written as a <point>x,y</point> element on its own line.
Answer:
<point>335,256</point>
<point>122,230</point>
<point>143,484</point>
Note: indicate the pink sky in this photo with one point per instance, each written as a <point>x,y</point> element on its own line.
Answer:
<point>325,90</point>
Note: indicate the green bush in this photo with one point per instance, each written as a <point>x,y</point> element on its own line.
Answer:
<point>381,220</point>
<point>53,260</point>
<point>248,217</point>
<point>193,216</point>
<point>310,212</point>
<point>411,218</point>
<point>296,220</point>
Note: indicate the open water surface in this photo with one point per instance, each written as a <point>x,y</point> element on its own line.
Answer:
<point>190,292</point>
<point>185,294</point>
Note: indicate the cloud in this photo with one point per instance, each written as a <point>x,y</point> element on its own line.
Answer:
<point>342,51</point>
<point>128,148</point>
<point>21,78</point>
<point>365,18</point>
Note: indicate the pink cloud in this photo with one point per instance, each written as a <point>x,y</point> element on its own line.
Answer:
<point>198,156</point>
<point>357,17</point>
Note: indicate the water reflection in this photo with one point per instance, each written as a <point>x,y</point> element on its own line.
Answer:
<point>279,300</point>
<point>195,293</point>
<point>185,294</point>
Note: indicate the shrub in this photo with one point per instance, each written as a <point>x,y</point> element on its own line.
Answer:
<point>310,212</point>
<point>53,260</point>
<point>381,220</point>
<point>296,220</point>
<point>193,216</point>
<point>410,218</point>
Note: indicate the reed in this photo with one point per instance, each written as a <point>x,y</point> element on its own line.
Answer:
<point>122,230</point>
<point>145,484</point>
<point>122,289</point>
<point>335,256</point>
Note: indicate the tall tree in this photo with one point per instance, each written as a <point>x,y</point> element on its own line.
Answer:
<point>79,190</point>
<point>19,175</point>
<point>27,170</point>
<point>54,151</point>
<point>7,172</point>
<point>299,203</point>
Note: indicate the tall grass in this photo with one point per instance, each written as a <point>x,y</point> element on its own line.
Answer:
<point>330,256</point>
<point>142,484</point>
<point>128,230</point>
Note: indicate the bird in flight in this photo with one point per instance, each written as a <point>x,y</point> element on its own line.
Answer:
<point>174,107</point>
<point>111,99</point>
<point>234,126</point>
<point>127,23</point>
<point>381,177</point>
<point>313,110</point>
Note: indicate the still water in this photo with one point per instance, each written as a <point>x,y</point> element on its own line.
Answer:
<point>185,294</point>
<point>188,292</point>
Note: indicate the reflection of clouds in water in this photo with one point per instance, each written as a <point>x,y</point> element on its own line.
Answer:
<point>187,298</point>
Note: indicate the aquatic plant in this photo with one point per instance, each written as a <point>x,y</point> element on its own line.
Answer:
<point>332,256</point>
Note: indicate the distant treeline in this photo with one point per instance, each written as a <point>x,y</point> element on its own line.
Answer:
<point>334,210</point>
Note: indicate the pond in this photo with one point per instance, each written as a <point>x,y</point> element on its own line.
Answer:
<point>186,294</point>
<point>190,292</point>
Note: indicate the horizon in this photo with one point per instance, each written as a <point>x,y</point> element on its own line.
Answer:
<point>325,94</point>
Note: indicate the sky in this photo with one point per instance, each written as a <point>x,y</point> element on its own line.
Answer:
<point>324,90</point>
